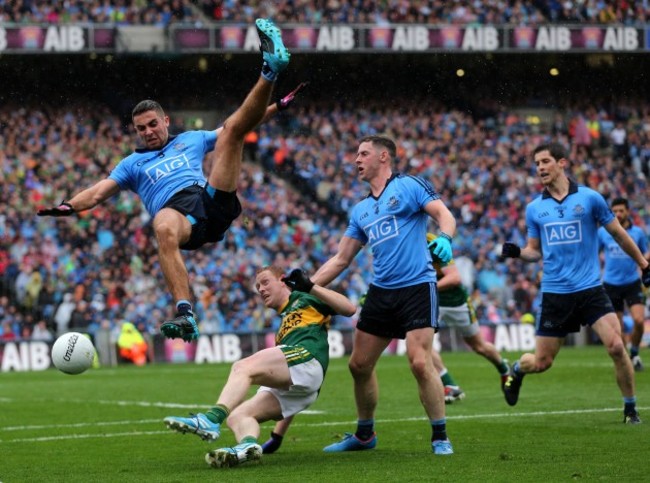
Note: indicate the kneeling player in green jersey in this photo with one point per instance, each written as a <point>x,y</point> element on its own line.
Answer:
<point>290,374</point>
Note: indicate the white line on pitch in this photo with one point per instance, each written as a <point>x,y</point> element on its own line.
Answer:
<point>299,424</point>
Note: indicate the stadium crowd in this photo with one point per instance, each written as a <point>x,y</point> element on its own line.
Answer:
<point>101,267</point>
<point>386,12</point>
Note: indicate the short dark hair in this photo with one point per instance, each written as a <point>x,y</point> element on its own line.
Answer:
<point>556,150</point>
<point>146,106</point>
<point>383,141</point>
<point>621,201</point>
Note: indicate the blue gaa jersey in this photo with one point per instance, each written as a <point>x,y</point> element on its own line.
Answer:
<point>157,175</point>
<point>395,227</point>
<point>620,268</point>
<point>568,231</point>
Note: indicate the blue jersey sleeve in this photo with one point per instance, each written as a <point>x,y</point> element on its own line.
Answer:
<point>122,176</point>
<point>602,212</point>
<point>532,227</point>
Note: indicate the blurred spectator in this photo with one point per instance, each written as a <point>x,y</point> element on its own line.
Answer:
<point>41,332</point>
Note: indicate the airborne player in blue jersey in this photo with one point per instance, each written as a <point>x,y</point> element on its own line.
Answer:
<point>563,231</point>
<point>401,301</point>
<point>189,211</point>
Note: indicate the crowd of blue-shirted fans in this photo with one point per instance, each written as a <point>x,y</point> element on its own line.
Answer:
<point>101,267</point>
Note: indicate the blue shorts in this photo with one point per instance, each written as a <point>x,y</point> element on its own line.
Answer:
<point>564,313</point>
<point>210,216</point>
<point>392,313</point>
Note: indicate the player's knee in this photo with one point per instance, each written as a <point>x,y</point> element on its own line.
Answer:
<point>232,133</point>
<point>240,368</point>
<point>543,363</point>
<point>616,348</point>
<point>359,369</point>
<point>166,234</point>
<point>419,367</point>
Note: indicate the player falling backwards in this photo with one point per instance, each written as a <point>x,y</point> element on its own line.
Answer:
<point>189,211</point>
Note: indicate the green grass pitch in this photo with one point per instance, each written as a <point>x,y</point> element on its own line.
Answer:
<point>106,426</point>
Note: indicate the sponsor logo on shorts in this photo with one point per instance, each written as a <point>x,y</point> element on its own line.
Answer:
<point>563,233</point>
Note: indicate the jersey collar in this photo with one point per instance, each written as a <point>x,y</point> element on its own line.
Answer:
<point>145,150</point>
<point>392,177</point>
<point>573,188</point>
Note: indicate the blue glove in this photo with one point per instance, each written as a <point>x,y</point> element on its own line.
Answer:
<point>441,248</point>
<point>645,276</point>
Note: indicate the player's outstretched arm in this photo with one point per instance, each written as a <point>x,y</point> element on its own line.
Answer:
<point>332,268</point>
<point>85,200</point>
<point>530,253</point>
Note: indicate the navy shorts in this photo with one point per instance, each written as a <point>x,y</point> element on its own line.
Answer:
<point>632,294</point>
<point>210,217</point>
<point>392,313</point>
<point>564,313</point>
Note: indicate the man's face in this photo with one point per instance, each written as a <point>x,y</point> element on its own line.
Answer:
<point>368,160</point>
<point>272,290</point>
<point>152,129</point>
<point>621,213</point>
<point>548,168</point>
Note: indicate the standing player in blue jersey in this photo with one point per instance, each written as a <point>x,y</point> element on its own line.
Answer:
<point>563,231</point>
<point>401,301</point>
<point>167,175</point>
<point>621,276</point>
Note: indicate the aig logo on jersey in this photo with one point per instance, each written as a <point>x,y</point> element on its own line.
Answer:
<point>563,233</point>
<point>166,166</point>
<point>381,230</point>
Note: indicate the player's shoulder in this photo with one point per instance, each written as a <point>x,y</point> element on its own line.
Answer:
<point>586,192</point>
<point>412,183</point>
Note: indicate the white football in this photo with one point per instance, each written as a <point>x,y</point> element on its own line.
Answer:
<point>73,353</point>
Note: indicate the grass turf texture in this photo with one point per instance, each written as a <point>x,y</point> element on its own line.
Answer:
<point>106,425</point>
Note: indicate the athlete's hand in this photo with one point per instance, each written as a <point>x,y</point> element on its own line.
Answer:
<point>64,209</point>
<point>510,250</point>
<point>645,276</point>
<point>298,280</point>
<point>284,103</point>
<point>441,247</point>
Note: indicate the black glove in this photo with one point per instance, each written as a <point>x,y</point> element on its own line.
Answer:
<point>284,103</point>
<point>64,209</point>
<point>645,276</point>
<point>510,250</point>
<point>298,280</point>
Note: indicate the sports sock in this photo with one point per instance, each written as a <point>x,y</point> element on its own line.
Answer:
<point>218,414</point>
<point>630,404</point>
<point>183,307</point>
<point>502,367</point>
<point>267,73</point>
<point>516,369</point>
<point>273,444</point>
<point>446,378</point>
<point>439,429</point>
<point>365,429</point>
<point>634,351</point>
<point>248,439</point>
